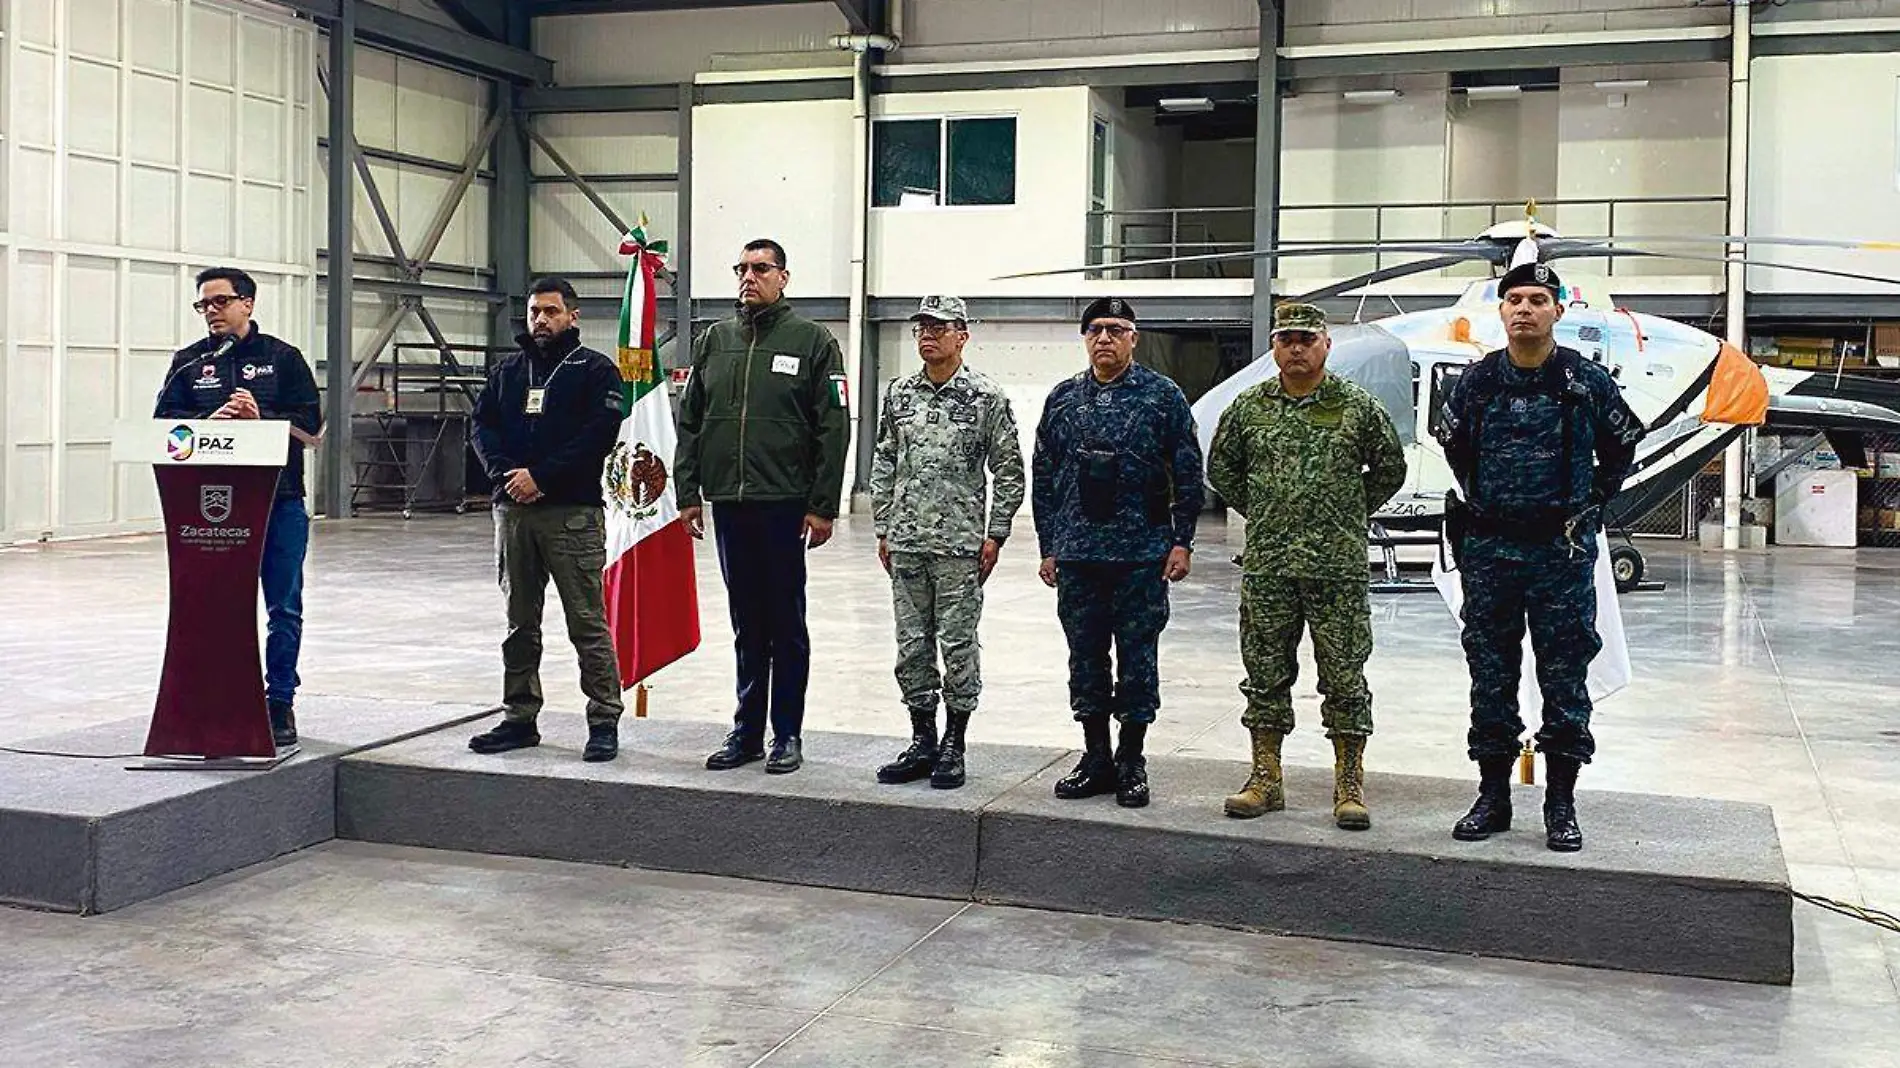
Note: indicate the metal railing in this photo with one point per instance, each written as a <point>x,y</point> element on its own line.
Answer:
<point>1117,237</point>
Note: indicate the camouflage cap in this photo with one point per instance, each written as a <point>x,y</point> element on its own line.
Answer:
<point>943,309</point>
<point>1303,318</point>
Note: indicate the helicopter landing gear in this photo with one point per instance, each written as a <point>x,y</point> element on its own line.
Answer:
<point>1627,566</point>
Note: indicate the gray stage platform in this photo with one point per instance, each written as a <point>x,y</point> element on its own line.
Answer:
<point>1668,885</point>
<point>89,836</point>
<point>828,824</point>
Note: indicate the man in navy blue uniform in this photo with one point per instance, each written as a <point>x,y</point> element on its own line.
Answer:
<point>240,372</point>
<point>1540,439</point>
<point>1117,488</point>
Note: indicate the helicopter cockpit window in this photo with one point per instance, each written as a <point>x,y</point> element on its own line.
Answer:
<point>1444,376</point>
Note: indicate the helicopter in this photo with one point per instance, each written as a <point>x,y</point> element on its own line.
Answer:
<point>1665,369</point>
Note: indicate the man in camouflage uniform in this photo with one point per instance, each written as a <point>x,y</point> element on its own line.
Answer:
<point>942,434</point>
<point>1540,439</point>
<point>1117,489</point>
<point>1306,458</point>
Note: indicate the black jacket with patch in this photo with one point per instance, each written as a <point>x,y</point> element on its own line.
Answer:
<point>565,446</point>
<point>201,379</point>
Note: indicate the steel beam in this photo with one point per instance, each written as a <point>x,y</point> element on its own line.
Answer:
<point>683,239</point>
<point>340,294</point>
<point>379,339</point>
<point>1811,44</point>
<point>593,195</point>
<point>409,159</point>
<point>773,92</point>
<point>1266,171</point>
<point>541,8</point>
<point>1147,74</point>
<point>1527,57</point>
<point>483,18</point>
<point>857,14</point>
<point>445,45</point>
<point>607,179</point>
<point>452,198</point>
<point>577,99</point>
<point>509,198</point>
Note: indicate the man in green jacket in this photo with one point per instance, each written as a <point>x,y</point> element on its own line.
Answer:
<point>1306,457</point>
<point>764,426</point>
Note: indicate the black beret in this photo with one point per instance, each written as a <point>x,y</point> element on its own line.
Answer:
<point>1531,274</point>
<point>1107,308</point>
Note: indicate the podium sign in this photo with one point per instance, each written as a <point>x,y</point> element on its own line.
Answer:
<point>217,481</point>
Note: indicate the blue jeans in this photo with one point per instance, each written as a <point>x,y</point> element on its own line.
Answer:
<point>285,542</point>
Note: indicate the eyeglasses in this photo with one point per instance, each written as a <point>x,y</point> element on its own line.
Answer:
<point>933,329</point>
<point>759,269</point>
<point>1114,330</point>
<point>219,302</point>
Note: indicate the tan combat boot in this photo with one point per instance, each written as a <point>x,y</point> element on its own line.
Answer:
<point>1349,783</point>
<point>1263,792</point>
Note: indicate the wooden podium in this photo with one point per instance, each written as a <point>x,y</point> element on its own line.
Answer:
<point>217,481</point>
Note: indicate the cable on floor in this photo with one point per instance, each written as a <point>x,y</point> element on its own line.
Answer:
<point>1886,921</point>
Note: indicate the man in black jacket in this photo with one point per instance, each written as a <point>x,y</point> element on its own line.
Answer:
<point>544,425</point>
<point>240,372</point>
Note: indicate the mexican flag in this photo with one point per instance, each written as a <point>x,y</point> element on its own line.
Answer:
<point>652,600</point>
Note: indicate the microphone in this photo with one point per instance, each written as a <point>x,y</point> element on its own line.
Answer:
<point>230,341</point>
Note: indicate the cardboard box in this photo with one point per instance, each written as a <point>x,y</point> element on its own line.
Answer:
<point>1889,519</point>
<point>1887,339</point>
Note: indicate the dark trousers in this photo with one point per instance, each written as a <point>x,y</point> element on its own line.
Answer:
<point>286,540</point>
<point>1126,604</point>
<point>762,556</point>
<point>1557,597</point>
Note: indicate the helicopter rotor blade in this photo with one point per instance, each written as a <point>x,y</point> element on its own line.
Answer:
<point>1385,274</point>
<point>1765,241</point>
<point>1588,251</point>
<point>1463,249</point>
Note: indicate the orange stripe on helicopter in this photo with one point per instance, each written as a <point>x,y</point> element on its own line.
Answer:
<point>1738,392</point>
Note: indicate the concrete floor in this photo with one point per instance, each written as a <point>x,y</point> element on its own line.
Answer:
<point>1763,677</point>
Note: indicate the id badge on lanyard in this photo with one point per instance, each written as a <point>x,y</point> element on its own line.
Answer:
<point>537,397</point>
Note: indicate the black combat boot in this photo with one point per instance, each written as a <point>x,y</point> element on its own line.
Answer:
<point>508,734</point>
<point>914,763</point>
<point>1095,774</point>
<point>1131,768</point>
<point>283,724</point>
<point>1561,832</point>
<point>1491,813</point>
<point>948,774</point>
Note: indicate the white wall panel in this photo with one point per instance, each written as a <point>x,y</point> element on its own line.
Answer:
<point>153,34</point>
<point>92,107</point>
<point>213,45</point>
<point>122,179</point>
<point>567,233</point>
<point>947,30</point>
<point>30,199</point>
<point>668,46</point>
<point>32,85</point>
<point>1357,21</point>
<point>796,198</point>
<point>93,184</point>
<point>1045,228</point>
<point>151,126</point>
<point>624,143</point>
<point>1818,169</point>
<point>92,28</point>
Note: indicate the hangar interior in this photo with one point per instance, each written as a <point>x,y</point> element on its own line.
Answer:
<point>395,173</point>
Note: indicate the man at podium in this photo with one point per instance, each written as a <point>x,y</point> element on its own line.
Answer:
<point>239,372</point>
